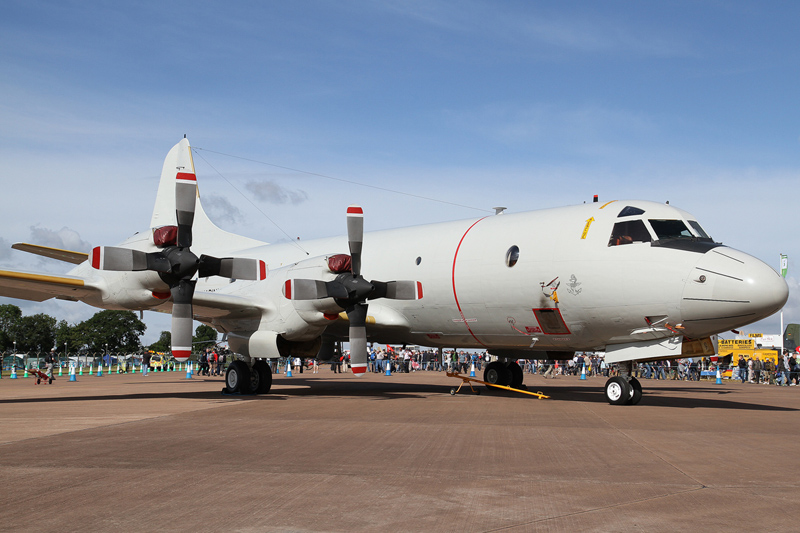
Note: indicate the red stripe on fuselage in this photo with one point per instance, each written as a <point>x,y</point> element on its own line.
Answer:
<point>455,295</point>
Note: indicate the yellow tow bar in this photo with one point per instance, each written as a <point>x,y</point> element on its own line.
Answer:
<point>470,381</point>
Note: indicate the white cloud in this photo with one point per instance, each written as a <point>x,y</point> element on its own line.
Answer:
<point>273,193</point>
<point>65,239</point>
<point>5,250</point>
<point>220,209</point>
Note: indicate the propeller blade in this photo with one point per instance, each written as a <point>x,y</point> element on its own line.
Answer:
<point>185,197</point>
<point>397,290</point>
<point>355,236</point>
<point>358,338</point>
<point>232,267</point>
<point>313,289</point>
<point>127,260</point>
<point>182,294</point>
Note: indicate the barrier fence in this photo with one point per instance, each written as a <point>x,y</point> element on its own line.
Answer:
<point>125,363</point>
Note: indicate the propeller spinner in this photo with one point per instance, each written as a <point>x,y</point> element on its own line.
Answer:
<point>176,265</point>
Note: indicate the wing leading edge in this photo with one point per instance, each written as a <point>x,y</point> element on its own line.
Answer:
<point>41,287</point>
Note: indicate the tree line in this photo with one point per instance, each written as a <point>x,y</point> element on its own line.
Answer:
<point>116,331</point>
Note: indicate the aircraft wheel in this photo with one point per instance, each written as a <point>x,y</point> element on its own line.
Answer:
<point>636,397</point>
<point>496,373</point>
<point>262,377</point>
<point>517,377</point>
<point>618,391</point>
<point>237,378</point>
<point>452,392</point>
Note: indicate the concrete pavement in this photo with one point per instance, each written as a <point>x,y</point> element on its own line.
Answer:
<point>332,452</point>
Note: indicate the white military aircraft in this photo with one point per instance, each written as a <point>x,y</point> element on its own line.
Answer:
<point>635,279</point>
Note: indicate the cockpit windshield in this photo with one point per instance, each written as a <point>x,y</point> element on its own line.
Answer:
<point>670,229</point>
<point>699,229</point>
<point>629,232</point>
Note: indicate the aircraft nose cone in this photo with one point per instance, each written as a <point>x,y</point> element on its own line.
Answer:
<point>728,289</point>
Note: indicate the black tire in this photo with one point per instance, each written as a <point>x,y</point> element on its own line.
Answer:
<point>637,391</point>
<point>618,391</point>
<point>496,373</point>
<point>517,377</point>
<point>452,392</point>
<point>261,377</point>
<point>237,378</point>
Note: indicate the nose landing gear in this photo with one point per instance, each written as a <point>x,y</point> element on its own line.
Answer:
<point>623,389</point>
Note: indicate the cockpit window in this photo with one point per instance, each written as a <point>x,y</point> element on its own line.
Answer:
<point>670,229</point>
<point>629,232</point>
<point>698,229</point>
<point>630,211</point>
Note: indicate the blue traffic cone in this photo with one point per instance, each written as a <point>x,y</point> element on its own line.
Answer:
<point>188,371</point>
<point>719,377</point>
<point>388,367</point>
<point>472,371</point>
<point>72,373</point>
<point>583,371</point>
<point>100,370</point>
<point>14,372</point>
<point>288,369</point>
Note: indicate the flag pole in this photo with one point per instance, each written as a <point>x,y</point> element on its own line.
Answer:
<point>784,267</point>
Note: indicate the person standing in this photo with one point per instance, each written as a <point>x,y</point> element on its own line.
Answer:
<point>49,362</point>
<point>742,366</point>
<point>549,371</point>
<point>221,363</point>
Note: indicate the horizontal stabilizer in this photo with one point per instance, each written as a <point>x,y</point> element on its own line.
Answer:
<point>67,256</point>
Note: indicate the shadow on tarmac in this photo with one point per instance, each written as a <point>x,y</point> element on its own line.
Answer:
<point>693,398</point>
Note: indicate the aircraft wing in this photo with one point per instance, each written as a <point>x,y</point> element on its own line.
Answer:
<point>207,306</point>
<point>41,287</point>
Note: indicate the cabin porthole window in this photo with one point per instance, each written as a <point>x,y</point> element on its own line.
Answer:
<point>512,256</point>
<point>418,261</point>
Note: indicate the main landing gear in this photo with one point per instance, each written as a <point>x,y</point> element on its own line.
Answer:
<point>623,389</point>
<point>240,378</point>
<point>500,373</point>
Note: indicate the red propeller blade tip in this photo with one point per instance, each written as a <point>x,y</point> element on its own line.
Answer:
<point>96,258</point>
<point>181,355</point>
<point>358,368</point>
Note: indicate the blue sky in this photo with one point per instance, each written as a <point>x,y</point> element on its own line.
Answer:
<point>522,104</point>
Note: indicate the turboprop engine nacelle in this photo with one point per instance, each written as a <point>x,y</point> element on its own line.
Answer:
<point>300,319</point>
<point>270,345</point>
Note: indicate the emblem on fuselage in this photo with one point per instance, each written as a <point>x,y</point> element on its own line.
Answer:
<point>574,286</point>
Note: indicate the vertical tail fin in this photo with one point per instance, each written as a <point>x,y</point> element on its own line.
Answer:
<point>206,235</point>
